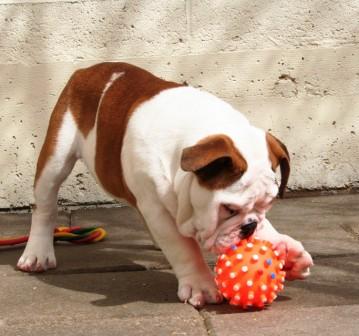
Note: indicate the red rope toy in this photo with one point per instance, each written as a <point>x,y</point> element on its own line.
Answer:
<point>75,235</point>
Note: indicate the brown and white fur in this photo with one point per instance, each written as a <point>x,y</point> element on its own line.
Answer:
<point>195,168</point>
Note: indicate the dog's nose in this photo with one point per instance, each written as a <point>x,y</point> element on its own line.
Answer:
<point>248,229</point>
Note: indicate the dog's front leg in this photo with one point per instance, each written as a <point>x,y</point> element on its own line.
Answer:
<point>195,281</point>
<point>297,260</point>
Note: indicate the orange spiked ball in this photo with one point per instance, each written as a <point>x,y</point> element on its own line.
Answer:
<point>250,274</point>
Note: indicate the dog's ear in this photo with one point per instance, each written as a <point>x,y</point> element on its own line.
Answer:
<point>279,156</point>
<point>215,160</point>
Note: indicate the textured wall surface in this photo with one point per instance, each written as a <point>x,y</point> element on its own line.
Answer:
<point>291,67</point>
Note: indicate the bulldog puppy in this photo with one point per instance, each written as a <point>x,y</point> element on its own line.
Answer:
<point>197,170</point>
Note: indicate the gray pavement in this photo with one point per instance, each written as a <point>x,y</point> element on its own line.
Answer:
<point>124,285</point>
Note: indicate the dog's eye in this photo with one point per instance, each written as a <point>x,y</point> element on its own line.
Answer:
<point>231,211</point>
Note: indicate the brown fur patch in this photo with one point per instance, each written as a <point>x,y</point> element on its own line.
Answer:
<point>215,160</point>
<point>279,156</point>
<point>86,90</point>
<point>124,95</point>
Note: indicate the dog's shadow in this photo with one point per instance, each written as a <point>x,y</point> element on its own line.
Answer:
<point>121,287</point>
<point>116,283</point>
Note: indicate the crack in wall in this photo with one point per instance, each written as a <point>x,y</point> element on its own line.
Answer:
<point>349,229</point>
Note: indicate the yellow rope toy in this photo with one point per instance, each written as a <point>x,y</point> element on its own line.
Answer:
<point>75,235</point>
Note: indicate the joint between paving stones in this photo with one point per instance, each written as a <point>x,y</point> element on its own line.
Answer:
<point>207,323</point>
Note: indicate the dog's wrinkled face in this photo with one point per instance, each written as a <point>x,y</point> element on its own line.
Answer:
<point>230,194</point>
<point>224,217</point>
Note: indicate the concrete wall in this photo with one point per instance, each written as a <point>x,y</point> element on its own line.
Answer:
<point>290,66</point>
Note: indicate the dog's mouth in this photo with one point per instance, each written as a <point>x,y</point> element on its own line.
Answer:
<point>235,231</point>
<point>246,229</point>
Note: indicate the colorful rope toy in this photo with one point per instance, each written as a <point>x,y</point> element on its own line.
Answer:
<point>250,274</point>
<point>75,235</point>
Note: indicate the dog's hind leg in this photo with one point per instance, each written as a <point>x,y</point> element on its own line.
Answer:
<point>57,158</point>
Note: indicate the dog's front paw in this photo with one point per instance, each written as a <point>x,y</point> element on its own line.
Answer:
<point>38,256</point>
<point>198,289</point>
<point>297,260</point>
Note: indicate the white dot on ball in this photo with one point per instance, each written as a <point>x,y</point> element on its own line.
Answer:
<point>249,245</point>
<point>239,256</point>
<point>249,283</point>
<point>255,257</point>
<point>228,263</point>
<point>219,271</point>
<point>244,268</point>
<point>232,275</point>
<point>237,297</point>
<point>236,287</point>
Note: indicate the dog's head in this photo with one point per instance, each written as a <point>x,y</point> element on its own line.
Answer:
<point>229,187</point>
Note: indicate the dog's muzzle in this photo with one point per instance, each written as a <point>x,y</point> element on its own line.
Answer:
<point>248,229</point>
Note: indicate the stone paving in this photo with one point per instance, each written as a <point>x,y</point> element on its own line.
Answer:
<point>124,285</point>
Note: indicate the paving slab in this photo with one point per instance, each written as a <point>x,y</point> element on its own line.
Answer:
<point>130,303</point>
<point>328,321</point>
<point>85,326</point>
<point>323,224</point>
